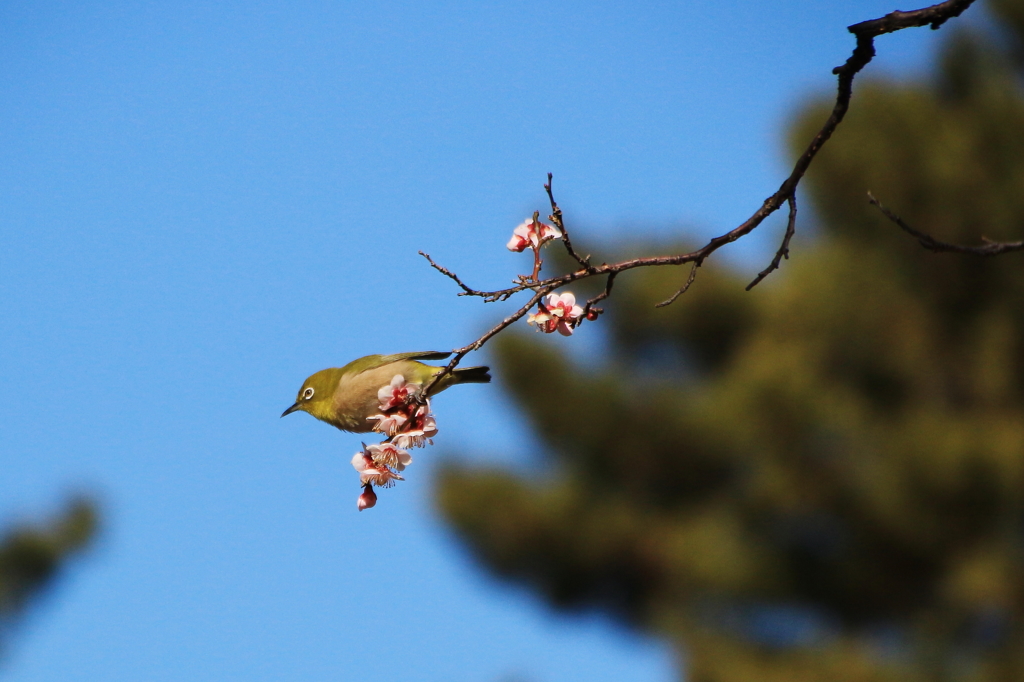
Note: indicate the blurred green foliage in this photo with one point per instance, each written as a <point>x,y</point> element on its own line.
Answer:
<point>822,479</point>
<point>31,556</point>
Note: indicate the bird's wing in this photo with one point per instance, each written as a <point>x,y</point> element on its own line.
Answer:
<point>374,361</point>
<point>417,355</point>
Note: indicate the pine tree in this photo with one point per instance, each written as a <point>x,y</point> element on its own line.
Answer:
<point>32,555</point>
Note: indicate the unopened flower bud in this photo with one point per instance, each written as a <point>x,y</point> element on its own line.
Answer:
<point>367,499</point>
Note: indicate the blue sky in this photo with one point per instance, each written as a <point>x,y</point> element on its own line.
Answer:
<point>203,203</point>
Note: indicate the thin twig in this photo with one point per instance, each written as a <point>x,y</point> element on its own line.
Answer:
<point>990,248</point>
<point>783,251</point>
<point>556,218</point>
<point>466,290</point>
<point>682,290</point>
<point>537,262</point>
<point>589,307</point>
<point>488,296</point>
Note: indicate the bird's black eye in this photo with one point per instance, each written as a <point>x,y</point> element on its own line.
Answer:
<point>308,393</point>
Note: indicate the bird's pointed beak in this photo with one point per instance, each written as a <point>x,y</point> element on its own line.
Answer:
<point>290,410</point>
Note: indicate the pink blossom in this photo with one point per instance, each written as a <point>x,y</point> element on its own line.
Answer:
<point>413,439</point>
<point>397,393</point>
<point>388,423</point>
<point>388,455</point>
<point>419,431</point>
<point>373,474</point>
<point>531,233</point>
<point>429,426</point>
<point>422,420</point>
<point>405,417</point>
<point>545,323</point>
<point>558,312</point>
<point>367,499</point>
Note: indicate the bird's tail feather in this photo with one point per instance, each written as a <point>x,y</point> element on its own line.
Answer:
<point>472,375</point>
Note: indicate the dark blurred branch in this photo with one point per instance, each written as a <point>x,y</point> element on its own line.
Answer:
<point>990,248</point>
<point>863,53</point>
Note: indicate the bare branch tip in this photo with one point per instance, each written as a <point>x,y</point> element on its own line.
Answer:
<point>682,290</point>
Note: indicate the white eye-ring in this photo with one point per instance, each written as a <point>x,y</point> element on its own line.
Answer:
<point>308,393</point>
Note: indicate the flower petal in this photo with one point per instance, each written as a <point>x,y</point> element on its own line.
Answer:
<point>361,461</point>
<point>567,299</point>
<point>404,460</point>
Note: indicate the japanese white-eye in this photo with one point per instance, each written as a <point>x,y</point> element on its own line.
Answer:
<point>346,397</point>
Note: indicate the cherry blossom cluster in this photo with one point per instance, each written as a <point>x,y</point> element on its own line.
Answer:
<point>406,420</point>
<point>557,312</point>
<point>533,234</point>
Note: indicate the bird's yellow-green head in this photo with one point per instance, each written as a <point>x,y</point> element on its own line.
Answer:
<point>317,393</point>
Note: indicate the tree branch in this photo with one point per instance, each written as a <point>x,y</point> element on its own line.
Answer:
<point>783,251</point>
<point>556,218</point>
<point>460,353</point>
<point>990,248</point>
<point>682,290</point>
<point>864,51</point>
<point>488,296</point>
<point>589,311</point>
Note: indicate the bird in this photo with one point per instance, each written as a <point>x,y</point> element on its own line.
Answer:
<point>346,397</point>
